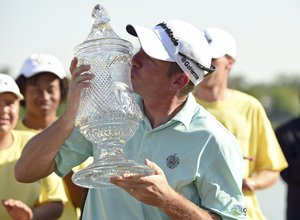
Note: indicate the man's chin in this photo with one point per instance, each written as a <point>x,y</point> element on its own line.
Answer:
<point>45,110</point>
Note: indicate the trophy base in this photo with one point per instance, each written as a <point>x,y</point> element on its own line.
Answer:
<point>97,174</point>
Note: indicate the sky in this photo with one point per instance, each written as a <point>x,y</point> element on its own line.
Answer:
<point>266,31</point>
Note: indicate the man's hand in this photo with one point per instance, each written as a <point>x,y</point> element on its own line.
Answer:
<point>249,158</point>
<point>80,79</point>
<point>248,185</point>
<point>152,190</point>
<point>17,209</point>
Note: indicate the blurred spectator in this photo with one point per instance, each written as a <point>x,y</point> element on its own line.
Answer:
<point>288,136</point>
<point>38,200</point>
<point>245,117</point>
<point>44,85</point>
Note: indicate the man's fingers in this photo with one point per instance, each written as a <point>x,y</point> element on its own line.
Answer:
<point>73,64</point>
<point>154,166</point>
<point>79,70</point>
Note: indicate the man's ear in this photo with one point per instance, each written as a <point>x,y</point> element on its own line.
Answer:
<point>231,61</point>
<point>180,80</point>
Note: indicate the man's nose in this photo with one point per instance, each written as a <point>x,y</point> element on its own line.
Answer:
<point>45,94</point>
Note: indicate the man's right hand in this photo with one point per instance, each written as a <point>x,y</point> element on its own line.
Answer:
<point>80,79</point>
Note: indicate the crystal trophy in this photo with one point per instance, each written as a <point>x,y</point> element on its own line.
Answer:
<point>108,115</point>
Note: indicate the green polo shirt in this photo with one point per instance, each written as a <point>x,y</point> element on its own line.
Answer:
<point>200,158</point>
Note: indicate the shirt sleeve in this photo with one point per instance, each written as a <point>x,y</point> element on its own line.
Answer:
<point>220,185</point>
<point>269,155</point>
<point>74,152</point>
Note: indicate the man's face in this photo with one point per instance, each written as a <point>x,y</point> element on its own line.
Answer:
<point>43,96</point>
<point>149,76</point>
<point>9,111</point>
<point>219,75</point>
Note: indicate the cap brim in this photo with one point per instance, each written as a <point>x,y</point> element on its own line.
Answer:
<point>19,95</point>
<point>221,43</point>
<point>42,69</point>
<point>215,54</point>
<point>150,42</point>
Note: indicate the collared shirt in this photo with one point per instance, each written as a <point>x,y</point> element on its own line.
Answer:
<point>200,158</point>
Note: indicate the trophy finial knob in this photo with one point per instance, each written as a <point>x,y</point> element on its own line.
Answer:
<point>100,14</point>
<point>101,27</point>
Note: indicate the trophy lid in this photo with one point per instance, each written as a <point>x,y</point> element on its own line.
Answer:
<point>102,33</point>
<point>101,27</point>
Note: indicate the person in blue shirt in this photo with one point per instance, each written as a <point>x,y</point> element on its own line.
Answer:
<point>197,164</point>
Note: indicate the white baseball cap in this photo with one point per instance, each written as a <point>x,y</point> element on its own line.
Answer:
<point>8,84</point>
<point>177,41</point>
<point>37,63</point>
<point>221,42</point>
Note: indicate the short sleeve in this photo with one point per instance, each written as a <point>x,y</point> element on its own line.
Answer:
<point>74,152</point>
<point>220,186</point>
<point>269,154</point>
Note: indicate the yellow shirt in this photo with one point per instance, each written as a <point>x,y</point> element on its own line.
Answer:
<point>20,126</point>
<point>69,212</point>
<point>46,189</point>
<point>245,117</point>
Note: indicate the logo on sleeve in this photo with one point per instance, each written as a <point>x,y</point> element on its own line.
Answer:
<point>239,210</point>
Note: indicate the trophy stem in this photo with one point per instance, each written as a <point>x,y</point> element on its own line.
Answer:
<point>111,161</point>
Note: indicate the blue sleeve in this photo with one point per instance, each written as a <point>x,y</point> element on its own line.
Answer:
<point>74,151</point>
<point>220,186</point>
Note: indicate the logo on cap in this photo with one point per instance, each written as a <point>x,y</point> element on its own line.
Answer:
<point>186,63</point>
<point>169,32</point>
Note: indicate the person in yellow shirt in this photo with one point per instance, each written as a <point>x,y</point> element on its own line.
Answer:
<point>245,117</point>
<point>38,200</point>
<point>43,83</point>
